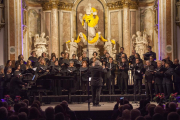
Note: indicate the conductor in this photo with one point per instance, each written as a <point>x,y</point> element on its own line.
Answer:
<point>96,81</point>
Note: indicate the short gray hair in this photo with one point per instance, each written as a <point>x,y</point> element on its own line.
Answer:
<point>159,61</point>
<point>97,62</point>
<point>71,61</point>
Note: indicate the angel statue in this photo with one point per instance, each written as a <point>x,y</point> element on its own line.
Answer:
<point>140,43</point>
<point>41,44</point>
<point>71,47</point>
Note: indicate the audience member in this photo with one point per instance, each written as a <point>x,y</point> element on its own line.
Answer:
<point>135,113</point>
<point>173,116</point>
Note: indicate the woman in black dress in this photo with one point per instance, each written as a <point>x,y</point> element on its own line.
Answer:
<point>43,69</point>
<point>8,64</point>
<point>84,77</point>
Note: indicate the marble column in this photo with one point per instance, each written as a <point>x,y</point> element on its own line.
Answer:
<point>126,28</point>
<point>54,29</point>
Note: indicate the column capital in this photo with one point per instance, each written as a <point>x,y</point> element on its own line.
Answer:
<point>126,3</point>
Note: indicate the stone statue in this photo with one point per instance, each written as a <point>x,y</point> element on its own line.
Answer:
<point>140,43</point>
<point>111,48</point>
<point>108,46</point>
<point>40,44</point>
<point>71,48</point>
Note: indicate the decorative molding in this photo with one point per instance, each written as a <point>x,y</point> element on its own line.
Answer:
<point>123,3</point>
<point>169,48</point>
<point>115,5</point>
<point>60,5</point>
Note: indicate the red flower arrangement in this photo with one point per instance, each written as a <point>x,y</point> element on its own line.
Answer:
<point>159,98</point>
<point>9,100</point>
<point>17,99</point>
<point>172,97</point>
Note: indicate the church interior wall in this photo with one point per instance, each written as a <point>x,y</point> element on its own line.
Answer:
<point>2,37</point>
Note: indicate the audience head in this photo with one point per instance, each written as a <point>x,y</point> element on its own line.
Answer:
<point>167,64</point>
<point>158,109</point>
<point>172,107</point>
<point>80,58</point>
<point>43,55</point>
<point>58,109</point>
<point>148,63</point>
<point>126,106</point>
<point>126,114</point>
<point>135,113</point>
<point>71,63</point>
<point>20,57</point>
<point>34,113</point>
<point>84,63</point>
<point>140,118</point>
<point>59,116</point>
<point>18,67</point>
<point>173,116</point>
<point>126,101</point>
<point>53,58</point>
<point>22,116</point>
<point>107,55</point>
<point>53,54</point>
<point>178,111</point>
<point>157,116</point>
<point>17,106</point>
<point>3,113</point>
<point>151,109</point>
<point>49,112</point>
<point>35,105</point>
<point>13,117</point>
<point>24,109</point>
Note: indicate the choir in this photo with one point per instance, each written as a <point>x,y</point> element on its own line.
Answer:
<point>163,75</point>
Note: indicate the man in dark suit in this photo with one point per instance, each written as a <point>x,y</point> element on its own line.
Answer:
<point>148,79</point>
<point>96,81</point>
<point>158,77</point>
<point>138,68</point>
<point>132,57</point>
<point>118,56</point>
<point>153,63</point>
<point>124,67</point>
<point>111,68</point>
<point>149,53</point>
<point>61,58</point>
<point>167,80</point>
<point>176,76</point>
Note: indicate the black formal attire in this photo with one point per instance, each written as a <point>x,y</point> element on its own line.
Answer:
<point>134,61</point>
<point>131,59</point>
<point>60,61</point>
<point>7,84</point>
<point>167,82</point>
<point>124,76</point>
<point>148,80</point>
<point>56,70</point>
<point>96,82</point>
<point>6,68</point>
<point>118,56</point>
<point>102,58</point>
<point>148,54</point>
<point>42,70</point>
<point>84,71</point>
<point>65,66</point>
<point>138,76</point>
<point>16,86</point>
<point>22,68</point>
<point>158,79</point>
<point>86,59</point>
<point>75,61</point>
<point>111,68</point>
<point>72,71</point>
<point>176,78</point>
<point>154,63</point>
<point>33,60</point>
<point>1,85</point>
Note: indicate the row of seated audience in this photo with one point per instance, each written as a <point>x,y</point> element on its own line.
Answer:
<point>123,110</point>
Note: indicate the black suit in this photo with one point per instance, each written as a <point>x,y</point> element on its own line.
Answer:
<point>176,78</point>
<point>124,67</point>
<point>158,78</point>
<point>148,80</point>
<point>96,82</point>
<point>138,76</point>
<point>154,63</point>
<point>111,68</point>
<point>167,82</point>
<point>148,54</point>
<point>131,59</point>
<point>118,56</point>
